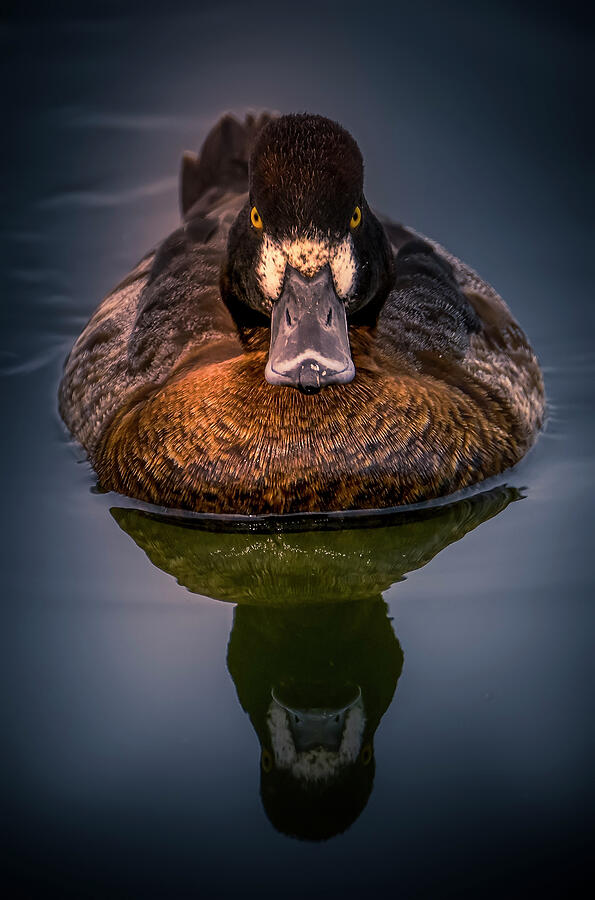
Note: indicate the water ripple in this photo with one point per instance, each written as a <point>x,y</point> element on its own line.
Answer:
<point>97,199</point>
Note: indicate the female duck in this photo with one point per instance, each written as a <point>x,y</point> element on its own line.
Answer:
<point>284,351</point>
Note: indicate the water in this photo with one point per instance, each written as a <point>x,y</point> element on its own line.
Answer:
<point>137,692</point>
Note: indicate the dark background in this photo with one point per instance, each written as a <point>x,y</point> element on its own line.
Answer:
<point>129,767</point>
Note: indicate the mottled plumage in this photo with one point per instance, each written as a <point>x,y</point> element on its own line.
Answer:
<point>165,387</point>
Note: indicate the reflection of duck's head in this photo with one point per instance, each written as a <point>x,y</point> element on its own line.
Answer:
<point>307,250</point>
<point>315,681</point>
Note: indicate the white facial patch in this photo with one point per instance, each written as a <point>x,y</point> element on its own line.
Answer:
<point>319,763</point>
<point>343,267</point>
<point>270,268</point>
<point>308,255</point>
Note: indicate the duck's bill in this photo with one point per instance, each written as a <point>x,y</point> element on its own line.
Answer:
<point>309,340</point>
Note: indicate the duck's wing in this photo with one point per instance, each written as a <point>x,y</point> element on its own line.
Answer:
<point>168,310</point>
<point>426,311</point>
<point>163,313</point>
<point>467,278</point>
<point>455,327</point>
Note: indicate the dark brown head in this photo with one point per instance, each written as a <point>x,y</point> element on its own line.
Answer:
<point>306,249</point>
<point>307,175</point>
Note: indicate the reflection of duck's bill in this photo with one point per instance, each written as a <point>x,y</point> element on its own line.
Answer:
<point>313,747</point>
<point>318,726</point>
<point>309,341</point>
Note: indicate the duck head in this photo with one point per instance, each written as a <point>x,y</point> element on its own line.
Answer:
<point>306,251</point>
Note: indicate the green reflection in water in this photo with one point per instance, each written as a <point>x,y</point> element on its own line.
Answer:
<point>305,567</point>
<point>312,653</point>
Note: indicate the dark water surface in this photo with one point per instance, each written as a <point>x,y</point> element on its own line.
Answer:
<point>153,671</point>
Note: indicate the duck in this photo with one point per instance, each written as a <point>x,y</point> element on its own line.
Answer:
<point>288,350</point>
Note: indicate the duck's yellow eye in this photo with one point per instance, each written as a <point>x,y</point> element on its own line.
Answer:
<point>356,217</point>
<point>366,754</point>
<point>255,218</point>
<point>266,761</point>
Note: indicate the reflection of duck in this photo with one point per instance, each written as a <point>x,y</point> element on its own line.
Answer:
<point>315,682</point>
<point>177,387</point>
<point>312,654</point>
